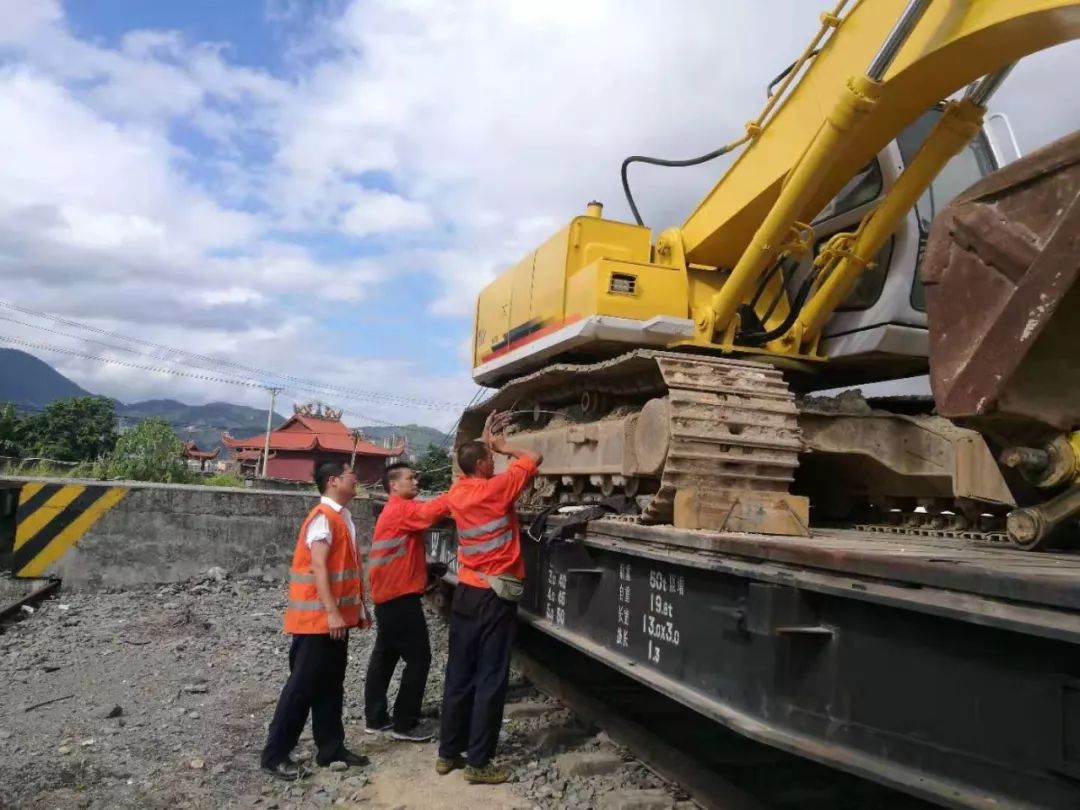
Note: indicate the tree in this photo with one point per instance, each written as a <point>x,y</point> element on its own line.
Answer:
<point>150,451</point>
<point>74,429</point>
<point>9,431</point>
<point>435,469</point>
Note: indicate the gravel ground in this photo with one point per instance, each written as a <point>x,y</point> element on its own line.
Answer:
<point>163,694</point>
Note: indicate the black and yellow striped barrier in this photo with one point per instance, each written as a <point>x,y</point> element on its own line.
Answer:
<point>51,519</point>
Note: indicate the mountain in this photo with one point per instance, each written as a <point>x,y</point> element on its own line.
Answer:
<point>418,436</point>
<point>32,384</point>
<point>202,424</point>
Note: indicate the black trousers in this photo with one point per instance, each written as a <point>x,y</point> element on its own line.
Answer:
<point>401,633</point>
<point>482,628</point>
<point>316,684</point>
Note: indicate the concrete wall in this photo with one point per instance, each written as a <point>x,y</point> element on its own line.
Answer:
<point>164,533</point>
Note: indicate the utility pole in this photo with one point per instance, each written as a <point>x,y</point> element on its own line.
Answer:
<point>269,423</point>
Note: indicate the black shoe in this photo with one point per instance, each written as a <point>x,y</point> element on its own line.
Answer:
<point>420,732</point>
<point>378,728</point>
<point>286,769</point>
<point>346,756</point>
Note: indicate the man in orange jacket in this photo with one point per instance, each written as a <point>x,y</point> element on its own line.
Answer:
<point>326,599</point>
<point>397,573</point>
<point>484,611</point>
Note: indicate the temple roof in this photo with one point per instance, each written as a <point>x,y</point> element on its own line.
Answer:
<point>191,450</point>
<point>312,433</point>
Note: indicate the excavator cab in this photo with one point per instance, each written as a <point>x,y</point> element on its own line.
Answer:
<point>882,326</point>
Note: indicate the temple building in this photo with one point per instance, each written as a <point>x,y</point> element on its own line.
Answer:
<point>312,435</point>
<point>197,459</point>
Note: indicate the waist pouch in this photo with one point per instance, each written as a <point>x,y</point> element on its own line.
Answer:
<point>506,586</point>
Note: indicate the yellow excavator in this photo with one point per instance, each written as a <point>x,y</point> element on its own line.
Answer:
<point>866,231</point>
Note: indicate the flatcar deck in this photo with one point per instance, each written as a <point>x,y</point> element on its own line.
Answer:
<point>1046,579</point>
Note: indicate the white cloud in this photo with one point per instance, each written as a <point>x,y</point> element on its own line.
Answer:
<point>374,212</point>
<point>232,295</point>
<point>498,115</point>
<point>493,123</point>
<point>24,20</point>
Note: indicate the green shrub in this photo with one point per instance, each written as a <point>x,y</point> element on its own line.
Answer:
<point>223,480</point>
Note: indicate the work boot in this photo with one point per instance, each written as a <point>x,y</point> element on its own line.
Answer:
<point>444,766</point>
<point>486,775</point>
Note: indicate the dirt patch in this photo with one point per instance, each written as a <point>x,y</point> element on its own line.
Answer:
<point>171,690</point>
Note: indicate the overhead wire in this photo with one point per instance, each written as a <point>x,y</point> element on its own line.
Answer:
<point>112,361</point>
<point>753,129</point>
<point>449,439</point>
<point>264,377</point>
<point>165,370</point>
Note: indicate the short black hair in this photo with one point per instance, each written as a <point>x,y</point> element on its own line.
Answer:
<point>470,454</point>
<point>391,473</point>
<point>327,470</point>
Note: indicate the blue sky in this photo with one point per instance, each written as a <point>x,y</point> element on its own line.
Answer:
<point>321,187</point>
<point>248,26</point>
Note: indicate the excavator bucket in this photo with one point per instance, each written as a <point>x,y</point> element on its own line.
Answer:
<point>1003,302</point>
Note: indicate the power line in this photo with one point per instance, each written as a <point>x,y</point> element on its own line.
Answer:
<point>175,372</point>
<point>298,391</point>
<point>376,397</point>
<point>171,371</point>
<point>102,343</point>
<point>453,428</point>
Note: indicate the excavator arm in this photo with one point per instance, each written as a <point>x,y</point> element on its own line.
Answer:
<point>878,67</point>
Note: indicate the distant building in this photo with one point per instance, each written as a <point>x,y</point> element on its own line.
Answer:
<point>312,435</point>
<point>197,459</point>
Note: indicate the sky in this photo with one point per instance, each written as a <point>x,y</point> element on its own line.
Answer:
<point>319,188</point>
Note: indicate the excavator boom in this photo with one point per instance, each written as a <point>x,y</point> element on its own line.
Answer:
<point>952,45</point>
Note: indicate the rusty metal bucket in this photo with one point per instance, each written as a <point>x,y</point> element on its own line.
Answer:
<point>1003,303</point>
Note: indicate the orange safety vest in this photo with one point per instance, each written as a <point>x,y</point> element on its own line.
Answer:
<point>305,612</point>
<point>489,540</point>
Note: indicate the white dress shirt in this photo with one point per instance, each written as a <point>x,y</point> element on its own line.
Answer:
<point>319,528</point>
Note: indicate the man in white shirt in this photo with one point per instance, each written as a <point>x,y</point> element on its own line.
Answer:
<point>326,598</point>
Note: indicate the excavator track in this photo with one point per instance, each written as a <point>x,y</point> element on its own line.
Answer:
<point>733,426</point>
<point>699,442</point>
<point>995,537</point>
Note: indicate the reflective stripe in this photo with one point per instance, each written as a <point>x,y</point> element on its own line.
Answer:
<point>476,531</point>
<point>393,542</point>
<point>489,545</point>
<point>336,576</point>
<point>374,561</point>
<point>316,604</point>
